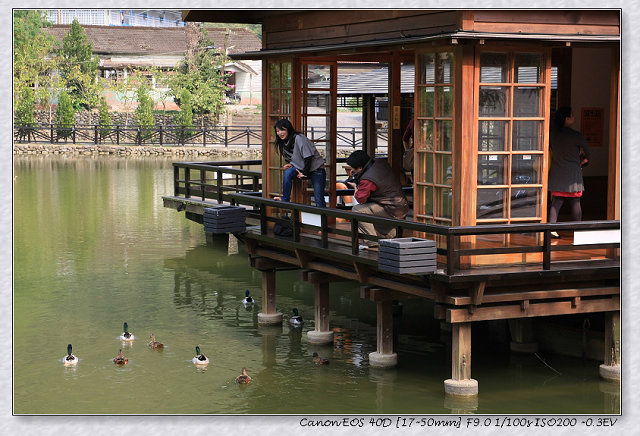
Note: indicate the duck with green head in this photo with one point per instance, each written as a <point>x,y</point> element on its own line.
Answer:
<point>126,336</point>
<point>296,320</point>
<point>200,358</point>
<point>70,359</point>
<point>247,300</point>
<point>319,360</point>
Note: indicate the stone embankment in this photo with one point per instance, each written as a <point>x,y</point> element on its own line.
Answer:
<point>123,150</point>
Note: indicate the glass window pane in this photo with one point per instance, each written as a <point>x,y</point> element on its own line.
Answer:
<point>526,102</point>
<point>525,169</point>
<point>444,170</point>
<point>423,135</point>
<point>528,68</point>
<point>318,76</point>
<point>493,68</point>
<point>494,101</point>
<point>444,101</point>
<point>527,135</point>
<point>286,102</point>
<point>428,200</point>
<point>426,73</point>
<point>492,135</point>
<point>286,75</point>
<point>524,202</point>
<point>491,169</point>
<point>490,204</point>
<point>424,169</point>
<point>445,67</point>
<point>274,75</point>
<point>425,101</point>
<point>274,102</point>
<point>318,102</point>
<point>443,196</point>
<point>445,135</point>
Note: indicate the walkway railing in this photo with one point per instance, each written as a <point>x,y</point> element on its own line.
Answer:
<point>232,182</point>
<point>162,135</point>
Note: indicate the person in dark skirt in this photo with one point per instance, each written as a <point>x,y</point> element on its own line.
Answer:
<point>570,153</point>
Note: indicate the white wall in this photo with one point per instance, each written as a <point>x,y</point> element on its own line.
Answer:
<point>590,87</point>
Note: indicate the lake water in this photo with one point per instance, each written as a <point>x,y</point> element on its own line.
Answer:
<point>94,248</point>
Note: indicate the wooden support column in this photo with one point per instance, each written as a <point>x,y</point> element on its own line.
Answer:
<point>322,334</point>
<point>384,357</point>
<point>611,368</point>
<point>269,315</point>
<point>522,335</point>
<point>461,382</point>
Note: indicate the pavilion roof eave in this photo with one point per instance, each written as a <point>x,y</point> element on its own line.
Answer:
<point>265,53</point>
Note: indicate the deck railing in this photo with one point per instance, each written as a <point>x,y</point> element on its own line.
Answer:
<point>231,182</point>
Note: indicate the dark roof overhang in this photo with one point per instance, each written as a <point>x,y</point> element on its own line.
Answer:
<point>453,36</point>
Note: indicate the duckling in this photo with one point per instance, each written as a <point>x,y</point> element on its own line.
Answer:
<point>155,344</point>
<point>296,320</point>
<point>126,336</point>
<point>120,359</point>
<point>247,300</point>
<point>200,358</point>
<point>319,360</point>
<point>70,359</point>
<point>243,378</point>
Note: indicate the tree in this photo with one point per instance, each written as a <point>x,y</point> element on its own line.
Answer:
<point>32,54</point>
<point>144,111</point>
<point>184,118</point>
<point>79,68</point>
<point>64,115</point>
<point>105,119</point>
<point>25,113</point>
<point>201,73</point>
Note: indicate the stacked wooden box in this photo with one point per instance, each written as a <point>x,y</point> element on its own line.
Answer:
<point>224,219</point>
<point>407,255</point>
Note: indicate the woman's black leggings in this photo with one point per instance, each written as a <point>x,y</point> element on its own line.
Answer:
<point>574,203</point>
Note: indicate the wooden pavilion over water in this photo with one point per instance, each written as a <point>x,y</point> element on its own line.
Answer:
<point>486,84</point>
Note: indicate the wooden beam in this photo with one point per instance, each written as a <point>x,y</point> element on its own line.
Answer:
<point>477,291</point>
<point>485,313</point>
<point>463,300</point>
<point>362,271</point>
<point>303,258</point>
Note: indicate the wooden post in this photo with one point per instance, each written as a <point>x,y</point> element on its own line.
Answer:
<point>461,382</point>
<point>269,315</point>
<point>611,368</point>
<point>384,327</point>
<point>322,334</point>
<point>522,335</point>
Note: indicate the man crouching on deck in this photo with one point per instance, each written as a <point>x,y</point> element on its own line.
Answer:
<point>378,192</point>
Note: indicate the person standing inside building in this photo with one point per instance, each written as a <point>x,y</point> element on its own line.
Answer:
<point>378,192</point>
<point>302,160</point>
<point>570,153</point>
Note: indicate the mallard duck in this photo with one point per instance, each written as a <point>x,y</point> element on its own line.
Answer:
<point>126,336</point>
<point>155,344</point>
<point>200,358</point>
<point>247,300</point>
<point>243,378</point>
<point>120,359</point>
<point>296,320</point>
<point>319,360</point>
<point>70,359</point>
